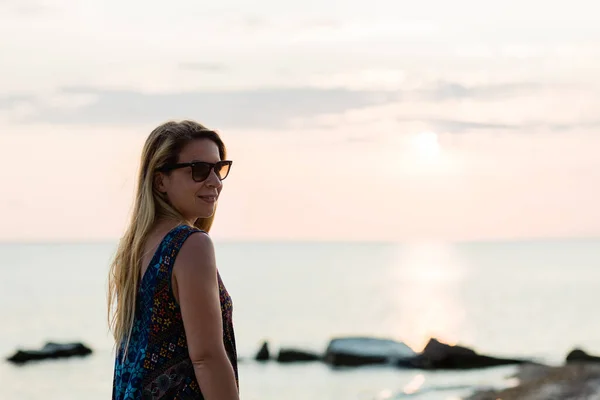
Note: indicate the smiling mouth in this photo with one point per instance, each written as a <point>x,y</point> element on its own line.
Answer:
<point>208,199</point>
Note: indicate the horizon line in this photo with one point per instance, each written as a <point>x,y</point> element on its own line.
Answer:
<point>532,239</point>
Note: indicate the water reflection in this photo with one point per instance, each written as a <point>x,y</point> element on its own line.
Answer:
<point>425,282</point>
<point>415,384</point>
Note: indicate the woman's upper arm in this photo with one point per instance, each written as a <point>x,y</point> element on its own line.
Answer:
<point>195,271</point>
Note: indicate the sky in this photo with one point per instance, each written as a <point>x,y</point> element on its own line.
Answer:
<point>381,120</point>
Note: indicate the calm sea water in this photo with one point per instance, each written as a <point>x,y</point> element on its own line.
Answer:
<point>535,299</point>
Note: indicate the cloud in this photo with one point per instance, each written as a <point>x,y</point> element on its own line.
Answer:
<point>259,108</point>
<point>464,126</point>
<point>451,91</point>
<point>205,67</point>
<point>254,23</point>
<point>458,126</point>
<point>568,127</point>
<point>420,124</point>
<point>26,7</point>
<point>431,107</point>
<point>10,101</point>
<point>327,23</point>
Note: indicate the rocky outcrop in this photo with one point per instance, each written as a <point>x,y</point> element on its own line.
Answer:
<point>437,355</point>
<point>292,355</point>
<point>578,355</point>
<point>50,351</point>
<point>286,355</point>
<point>576,381</point>
<point>356,351</point>
<point>263,354</point>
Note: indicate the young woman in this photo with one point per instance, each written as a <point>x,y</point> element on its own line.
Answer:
<point>169,311</point>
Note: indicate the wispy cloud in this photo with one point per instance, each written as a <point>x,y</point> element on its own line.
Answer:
<point>323,23</point>
<point>265,108</point>
<point>594,124</point>
<point>450,126</point>
<point>27,7</point>
<point>458,126</point>
<point>203,66</point>
<point>463,126</point>
<point>10,101</point>
<point>254,23</point>
<point>442,107</point>
<point>452,91</point>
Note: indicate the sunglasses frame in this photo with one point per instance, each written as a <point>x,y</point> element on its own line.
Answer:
<point>194,163</point>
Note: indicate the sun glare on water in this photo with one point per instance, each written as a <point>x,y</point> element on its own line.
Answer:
<point>426,281</point>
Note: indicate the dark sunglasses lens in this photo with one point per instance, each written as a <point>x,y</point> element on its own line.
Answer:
<point>200,171</point>
<point>222,170</point>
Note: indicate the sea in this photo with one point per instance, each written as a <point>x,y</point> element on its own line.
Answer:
<point>528,299</point>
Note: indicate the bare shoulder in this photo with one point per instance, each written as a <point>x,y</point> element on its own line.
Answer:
<point>197,290</point>
<point>196,253</point>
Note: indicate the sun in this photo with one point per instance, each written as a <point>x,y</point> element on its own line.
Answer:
<point>426,146</point>
<point>425,154</point>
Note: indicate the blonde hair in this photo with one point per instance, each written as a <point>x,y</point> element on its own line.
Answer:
<point>162,148</point>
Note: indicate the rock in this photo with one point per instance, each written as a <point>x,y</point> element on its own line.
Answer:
<point>576,381</point>
<point>437,355</point>
<point>291,355</point>
<point>263,353</point>
<point>356,351</point>
<point>578,355</point>
<point>437,350</point>
<point>49,351</point>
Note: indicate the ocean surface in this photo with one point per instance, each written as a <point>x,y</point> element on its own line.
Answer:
<point>529,299</point>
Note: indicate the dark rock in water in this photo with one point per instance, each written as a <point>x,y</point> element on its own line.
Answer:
<point>263,353</point>
<point>437,355</point>
<point>49,351</point>
<point>356,351</point>
<point>354,360</point>
<point>578,355</point>
<point>291,355</point>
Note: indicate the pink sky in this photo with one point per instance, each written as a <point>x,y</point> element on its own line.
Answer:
<point>79,187</point>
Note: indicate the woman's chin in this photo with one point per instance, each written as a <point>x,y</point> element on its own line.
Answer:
<point>206,212</point>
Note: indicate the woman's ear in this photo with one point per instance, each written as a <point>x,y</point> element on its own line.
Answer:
<point>159,183</point>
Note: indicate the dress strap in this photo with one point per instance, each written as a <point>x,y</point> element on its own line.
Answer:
<point>173,244</point>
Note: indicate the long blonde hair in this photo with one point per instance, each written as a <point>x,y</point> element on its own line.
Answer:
<point>162,148</point>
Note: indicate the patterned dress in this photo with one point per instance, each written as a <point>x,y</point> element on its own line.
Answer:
<point>157,365</point>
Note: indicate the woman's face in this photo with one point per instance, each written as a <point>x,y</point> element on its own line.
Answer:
<point>191,198</point>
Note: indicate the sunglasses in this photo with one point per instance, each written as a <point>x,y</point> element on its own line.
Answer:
<point>201,170</point>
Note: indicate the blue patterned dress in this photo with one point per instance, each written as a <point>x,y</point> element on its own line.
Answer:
<point>158,365</point>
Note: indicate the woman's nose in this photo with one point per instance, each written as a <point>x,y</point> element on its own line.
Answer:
<point>213,180</point>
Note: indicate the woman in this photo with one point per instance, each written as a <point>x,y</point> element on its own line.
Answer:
<point>171,314</point>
